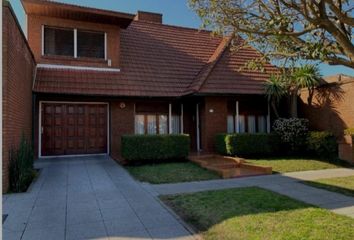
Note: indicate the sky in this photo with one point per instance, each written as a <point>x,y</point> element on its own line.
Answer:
<point>175,12</point>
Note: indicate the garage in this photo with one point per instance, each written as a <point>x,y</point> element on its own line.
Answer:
<point>73,128</point>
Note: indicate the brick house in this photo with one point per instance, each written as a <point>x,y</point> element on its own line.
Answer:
<point>332,110</point>
<point>100,74</point>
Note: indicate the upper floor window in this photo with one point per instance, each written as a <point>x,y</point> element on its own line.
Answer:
<point>74,43</point>
<point>58,41</point>
<point>90,44</point>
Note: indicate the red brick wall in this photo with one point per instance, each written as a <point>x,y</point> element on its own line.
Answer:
<point>148,17</point>
<point>18,68</point>
<point>122,122</point>
<point>214,122</point>
<point>34,26</point>
<point>332,108</point>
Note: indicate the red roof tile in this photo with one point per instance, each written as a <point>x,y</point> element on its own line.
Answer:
<point>161,60</point>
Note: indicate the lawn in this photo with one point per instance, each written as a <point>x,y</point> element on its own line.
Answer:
<point>344,185</point>
<point>255,213</point>
<point>282,165</point>
<point>171,173</point>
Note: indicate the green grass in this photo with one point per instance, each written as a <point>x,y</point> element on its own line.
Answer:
<point>344,185</point>
<point>255,213</point>
<point>282,165</point>
<point>171,173</point>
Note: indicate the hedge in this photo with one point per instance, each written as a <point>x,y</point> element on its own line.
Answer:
<point>322,144</point>
<point>154,148</point>
<point>248,145</point>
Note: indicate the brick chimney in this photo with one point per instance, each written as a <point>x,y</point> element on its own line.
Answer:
<point>148,17</point>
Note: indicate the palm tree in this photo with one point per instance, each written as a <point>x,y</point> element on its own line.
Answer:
<point>275,89</point>
<point>306,76</point>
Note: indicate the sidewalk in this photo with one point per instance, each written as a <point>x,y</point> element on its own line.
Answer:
<point>286,184</point>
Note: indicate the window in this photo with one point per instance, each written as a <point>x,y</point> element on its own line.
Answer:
<point>242,123</point>
<point>139,124</point>
<point>176,124</point>
<point>61,42</point>
<point>230,124</point>
<point>163,125</point>
<point>90,44</point>
<point>151,124</point>
<point>262,124</point>
<point>247,123</point>
<point>58,41</point>
<point>251,120</point>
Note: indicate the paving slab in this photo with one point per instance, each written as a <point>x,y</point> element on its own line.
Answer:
<point>86,198</point>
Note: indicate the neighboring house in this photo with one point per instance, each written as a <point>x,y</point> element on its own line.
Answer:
<point>332,109</point>
<point>18,70</point>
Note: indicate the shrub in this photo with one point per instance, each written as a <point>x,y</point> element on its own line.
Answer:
<point>349,131</point>
<point>154,148</point>
<point>21,172</point>
<point>292,132</point>
<point>322,144</point>
<point>247,145</point>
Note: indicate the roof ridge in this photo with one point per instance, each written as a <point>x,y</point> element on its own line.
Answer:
<point>205,71</point>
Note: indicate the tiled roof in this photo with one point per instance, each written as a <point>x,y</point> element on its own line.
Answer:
<point>162,60</point>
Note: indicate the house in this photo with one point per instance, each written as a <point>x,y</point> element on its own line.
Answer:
<point>332,110</point>
<point>101,74</point>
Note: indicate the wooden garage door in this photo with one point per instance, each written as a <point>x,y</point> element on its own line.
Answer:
<point>69,129</point>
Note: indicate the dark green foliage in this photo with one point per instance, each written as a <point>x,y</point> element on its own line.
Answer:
<point>154,148</point>
<point>322,144</point>
<point>21,166</point>
<point>248,145</point>
<point>292,132</point>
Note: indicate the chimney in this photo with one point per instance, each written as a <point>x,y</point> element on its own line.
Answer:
<point>148,17</point>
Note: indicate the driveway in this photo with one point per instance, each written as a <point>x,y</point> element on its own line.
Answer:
<point>87,198</point>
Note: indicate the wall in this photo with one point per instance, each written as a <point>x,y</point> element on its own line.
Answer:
<point>18,69</point>
<point>122,122</point>
<point>332,108</point>
<point>34,26</point>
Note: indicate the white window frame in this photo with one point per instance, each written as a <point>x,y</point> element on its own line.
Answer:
<point>75,42</point>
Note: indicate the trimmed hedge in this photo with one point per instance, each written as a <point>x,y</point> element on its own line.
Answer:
<point>322,144</point>
<point>248,145</point>
<point>154,148</point>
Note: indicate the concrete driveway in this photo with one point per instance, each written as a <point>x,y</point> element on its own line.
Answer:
<point>87,198</point>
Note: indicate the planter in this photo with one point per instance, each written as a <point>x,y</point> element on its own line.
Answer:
<point>346,148</point>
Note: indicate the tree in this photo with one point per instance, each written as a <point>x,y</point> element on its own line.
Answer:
<point>286,29</point>
<point>275,91</point>
<point>306,76</point>
<point>290,83</point>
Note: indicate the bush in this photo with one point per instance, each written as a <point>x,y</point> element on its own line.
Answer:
<point>322,144</point>
<point>292,132</point>
<point>349,131</point>
<point>247,145</point>
<point>154,148</point>
<point>21,172</point>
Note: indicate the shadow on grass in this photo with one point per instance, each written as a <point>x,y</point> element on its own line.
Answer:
<point>332,188</point>
<point>256,213</point>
